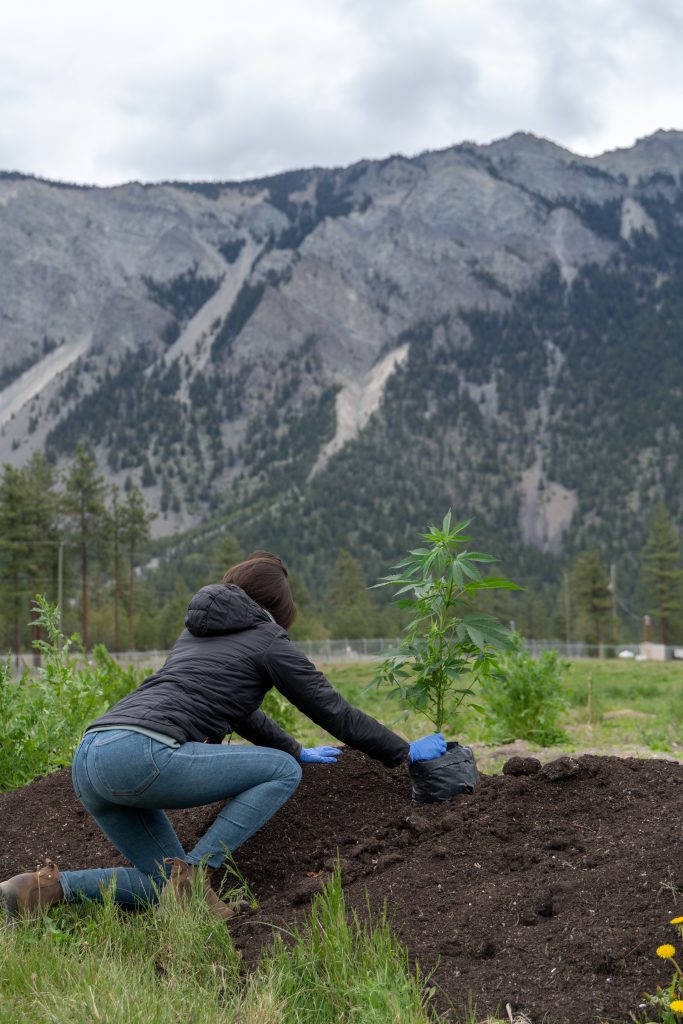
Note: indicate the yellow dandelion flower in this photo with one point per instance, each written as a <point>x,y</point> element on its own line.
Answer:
<point>666,951</point>
<point>676,1006</point>
<point>676,920</point>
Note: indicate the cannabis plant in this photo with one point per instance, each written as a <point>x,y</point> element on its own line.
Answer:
<point>448,644</point>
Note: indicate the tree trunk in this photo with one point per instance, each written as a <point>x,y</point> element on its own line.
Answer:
<point>84,595</point>
<point>117,594</point>
<point>17,631</point>
<point>131,584</point>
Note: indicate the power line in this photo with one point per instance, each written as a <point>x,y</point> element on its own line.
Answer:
<point>628,610</point>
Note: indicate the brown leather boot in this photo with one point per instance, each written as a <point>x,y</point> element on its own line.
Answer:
<point>181,881</point>
<point>31,892</point>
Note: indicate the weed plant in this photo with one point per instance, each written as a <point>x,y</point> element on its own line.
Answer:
<point>524,698</point>
<point>44,715</point>
<point>667,1004</point>
<point>338,969</point>
<point>447,646</point>
<point>280,710</point>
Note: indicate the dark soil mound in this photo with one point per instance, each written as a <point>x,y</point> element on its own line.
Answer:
<point>546,889</point>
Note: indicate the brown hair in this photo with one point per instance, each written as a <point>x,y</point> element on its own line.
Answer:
<point>263,576</point>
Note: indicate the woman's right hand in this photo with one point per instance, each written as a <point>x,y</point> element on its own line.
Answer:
<point>428,748</point>
<point>319,755</point>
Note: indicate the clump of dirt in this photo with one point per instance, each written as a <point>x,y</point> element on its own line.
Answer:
<point>548,889</point>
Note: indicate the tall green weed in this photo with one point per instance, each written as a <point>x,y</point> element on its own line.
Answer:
<point>524,698</point>
<point>44,714</point>
<point>280,710</point>
<point>337,969</point>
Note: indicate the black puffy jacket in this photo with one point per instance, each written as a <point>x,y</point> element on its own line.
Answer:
<point>221,667</point>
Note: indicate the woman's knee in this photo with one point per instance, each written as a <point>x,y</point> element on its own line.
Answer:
<point>289,770</point>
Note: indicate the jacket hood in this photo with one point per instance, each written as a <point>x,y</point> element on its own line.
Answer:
<point>223,608</point>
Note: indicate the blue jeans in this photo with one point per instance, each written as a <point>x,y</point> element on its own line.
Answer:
<point>124,779</point>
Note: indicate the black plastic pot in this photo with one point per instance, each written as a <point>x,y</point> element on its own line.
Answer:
<point>453,773</point>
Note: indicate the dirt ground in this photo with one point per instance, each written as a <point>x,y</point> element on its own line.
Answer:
<point>549,891</point>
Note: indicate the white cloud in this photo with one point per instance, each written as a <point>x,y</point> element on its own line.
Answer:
<point>231,89</point>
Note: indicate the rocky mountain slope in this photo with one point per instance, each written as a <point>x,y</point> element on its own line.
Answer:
<point>331,357</point>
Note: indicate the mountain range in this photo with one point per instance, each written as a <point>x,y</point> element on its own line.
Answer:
<point>329,359</point>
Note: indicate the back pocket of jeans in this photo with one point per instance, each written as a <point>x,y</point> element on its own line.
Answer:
<point>124,763</point>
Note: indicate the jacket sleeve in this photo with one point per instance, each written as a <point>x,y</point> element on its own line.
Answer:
<point>297,679</point>
<point>263,731</point>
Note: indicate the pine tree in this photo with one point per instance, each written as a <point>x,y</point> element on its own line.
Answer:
<point>225,553</point>
<point>84,504</point>
<point>42,530</point>
<point>663,575</point>
<point>136,522</point>
<point>28,539</point>
<point>13,550</point>
<point>169,623</point>
<point>591,594</point>
<point>115,527</point>
<point>352,614</point>
<point>309,624</point>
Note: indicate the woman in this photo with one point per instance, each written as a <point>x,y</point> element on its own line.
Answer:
<point>161,746</point>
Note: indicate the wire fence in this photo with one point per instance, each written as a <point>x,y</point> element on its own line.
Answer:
<point>316,650</point>
<point>376,648</point>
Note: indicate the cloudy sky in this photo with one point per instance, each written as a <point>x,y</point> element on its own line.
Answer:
<point>229,89</point>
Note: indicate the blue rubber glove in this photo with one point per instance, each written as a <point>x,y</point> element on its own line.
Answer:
<point>319,755</point>
<point>427,748</point>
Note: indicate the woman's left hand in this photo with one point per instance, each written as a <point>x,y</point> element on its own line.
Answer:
<point>319,755</point>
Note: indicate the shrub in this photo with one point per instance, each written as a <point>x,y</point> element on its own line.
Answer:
<point>44,716</point>
<point>280,710</point>
<point>523,699</point>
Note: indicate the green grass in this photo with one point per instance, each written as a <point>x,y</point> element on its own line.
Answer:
<point>634,705</point>
<point>637,708</point>
<point>338,967</point>
<point>93,962</point>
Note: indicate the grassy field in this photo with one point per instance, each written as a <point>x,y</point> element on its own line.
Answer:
<point>85,963</point>
<point>612,707</point>
<point>177,965</point>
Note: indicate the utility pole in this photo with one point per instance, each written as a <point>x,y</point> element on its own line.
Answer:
<point>35,632</point>
<point>60,583</point>
<point>647,629</point>
<point>567,609</point>
<point>613,592</point>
